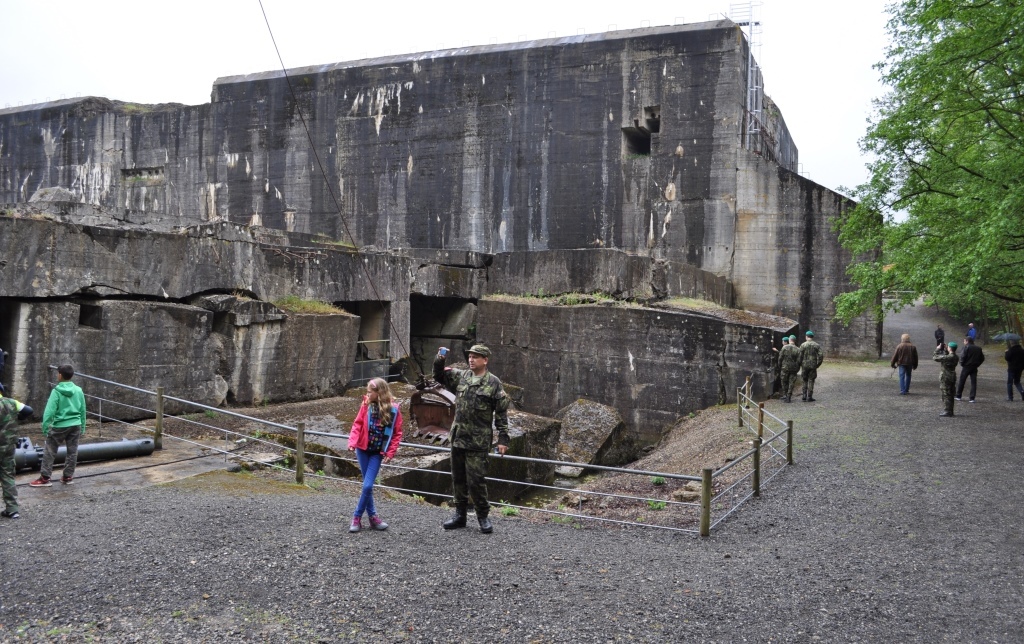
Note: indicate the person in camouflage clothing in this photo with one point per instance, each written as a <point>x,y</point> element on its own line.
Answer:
<point>789,367</point>
<point>11,411</point>
<point>810,359</point>
<point>481,403</point>
<point>948,360</point>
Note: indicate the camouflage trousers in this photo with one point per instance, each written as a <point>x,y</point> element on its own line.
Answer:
<point>788,383</point>
<point>469,478</point>
<point>948,388</point>
<point>8,441</point>
<point>809,376</point>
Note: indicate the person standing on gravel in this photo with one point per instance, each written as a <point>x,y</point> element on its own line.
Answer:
<point>1014,367</point>
<point>810,359</point>
<point>481,404</point>
<point>63,422</point>
<point>947,359</point>
<point>969,363</point>
<point>940,336</point>
<point>789,366</point>
<point>905,357</point>
<point>375,435</point>
<point>11,411</point>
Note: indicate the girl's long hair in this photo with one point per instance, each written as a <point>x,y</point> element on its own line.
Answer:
<point>382,406</point>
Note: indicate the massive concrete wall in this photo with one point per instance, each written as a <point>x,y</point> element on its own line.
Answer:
<point>784,222</point>
<point>627,140</point>
<point>652,365</point>
<point>193,352</point>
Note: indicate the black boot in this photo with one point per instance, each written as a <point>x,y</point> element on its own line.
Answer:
<point>485,524</point>
<point>458,520</point>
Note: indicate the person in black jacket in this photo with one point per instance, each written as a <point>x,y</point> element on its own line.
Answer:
<point>940,336</point>
<point>970,361</point>
<point>1014,367</point>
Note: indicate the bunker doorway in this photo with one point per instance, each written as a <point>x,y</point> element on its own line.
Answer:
<point>440,322</point>
<point>373,347</point>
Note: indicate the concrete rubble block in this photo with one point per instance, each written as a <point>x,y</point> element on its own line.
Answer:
<point>594,433</point>
<point>435,280</point>
<point>299,358</point>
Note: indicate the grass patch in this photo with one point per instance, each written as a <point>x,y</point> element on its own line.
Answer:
<point>295,304</point>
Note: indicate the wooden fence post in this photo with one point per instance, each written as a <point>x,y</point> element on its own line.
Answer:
<point>757,466</point>
<point>300,454</point>
<point>789,441</point>
<point>705,501</point>
<point>158,426</point>
<point>739,406</point>
<point>760,420</point>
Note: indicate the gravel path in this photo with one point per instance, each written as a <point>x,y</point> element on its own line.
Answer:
<point>894,525</point>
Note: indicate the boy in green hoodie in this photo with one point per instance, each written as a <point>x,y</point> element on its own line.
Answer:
<point>63,422</point>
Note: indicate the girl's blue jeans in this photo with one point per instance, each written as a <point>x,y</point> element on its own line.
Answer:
<point>369,465</point>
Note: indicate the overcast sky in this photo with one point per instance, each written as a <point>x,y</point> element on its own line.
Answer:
<point>816,55</point>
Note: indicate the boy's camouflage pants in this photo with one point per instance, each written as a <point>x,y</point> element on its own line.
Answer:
<point>8,441</point>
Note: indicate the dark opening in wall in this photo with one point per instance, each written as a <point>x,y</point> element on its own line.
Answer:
<point>373,349</point>
<point>142,173</point>
<point>90,315</point>
<point>440,322</point>
<point>636,140</point>
<point>652,116</point>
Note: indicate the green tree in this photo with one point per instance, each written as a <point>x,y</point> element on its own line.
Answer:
<point>943,211</point>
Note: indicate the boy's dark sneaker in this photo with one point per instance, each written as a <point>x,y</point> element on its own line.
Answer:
<point>40,482</point>
<point>10,515</point>
<point>66,480</point>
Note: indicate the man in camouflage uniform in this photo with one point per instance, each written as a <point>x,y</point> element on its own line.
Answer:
<point>481,402</point>
<point>11,411</point>
<point>810,359</point>
<point>789,367</point>
<point>948,360</point>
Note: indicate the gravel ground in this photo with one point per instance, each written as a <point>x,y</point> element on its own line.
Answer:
<point>894,525</point>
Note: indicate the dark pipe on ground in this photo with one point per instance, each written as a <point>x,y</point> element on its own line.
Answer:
<point>29,457</point>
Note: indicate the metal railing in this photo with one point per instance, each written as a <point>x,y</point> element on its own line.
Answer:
<point>721,491</point>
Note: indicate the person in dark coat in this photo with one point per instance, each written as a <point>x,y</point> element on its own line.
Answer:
<point>969,362</point>
<point>1014,367</point>
<point>940,336</point>
<point>905,357</point>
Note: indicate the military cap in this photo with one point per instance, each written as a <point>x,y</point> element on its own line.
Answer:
<point>953,345</point>
<point>792,337</point>
<point>810,334</point>
<point>480,350</point>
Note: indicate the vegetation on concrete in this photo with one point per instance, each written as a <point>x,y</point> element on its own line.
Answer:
<point>941,215</point>
<point>295,304</point>
<point>563,299</point>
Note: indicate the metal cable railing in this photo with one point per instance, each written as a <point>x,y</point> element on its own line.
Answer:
<point>721,491</point>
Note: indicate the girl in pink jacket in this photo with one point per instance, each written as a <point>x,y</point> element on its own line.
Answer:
<point>376,433</point>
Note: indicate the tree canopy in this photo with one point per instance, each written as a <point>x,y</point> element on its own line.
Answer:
<point>943,211</point>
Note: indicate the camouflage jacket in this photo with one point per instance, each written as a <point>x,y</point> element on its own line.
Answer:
<point>481,402</point>
<point>948,362</point>
<point>10,411</point>
<point>810,355</point>
<point>789,358</point>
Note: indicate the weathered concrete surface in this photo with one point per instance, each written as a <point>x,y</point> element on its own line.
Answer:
<point>193,352</point>
<point>628,140</point>
<point>595,433</point>
<point>610,271</point>
<point>783,223</point>
<point>652,365</point>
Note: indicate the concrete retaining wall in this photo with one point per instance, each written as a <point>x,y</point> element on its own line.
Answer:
<point>652,365</point>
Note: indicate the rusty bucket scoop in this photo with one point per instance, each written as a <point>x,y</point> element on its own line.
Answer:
<point>433,409</point>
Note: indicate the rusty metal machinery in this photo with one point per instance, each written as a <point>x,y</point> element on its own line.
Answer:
<point>433,409</point>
